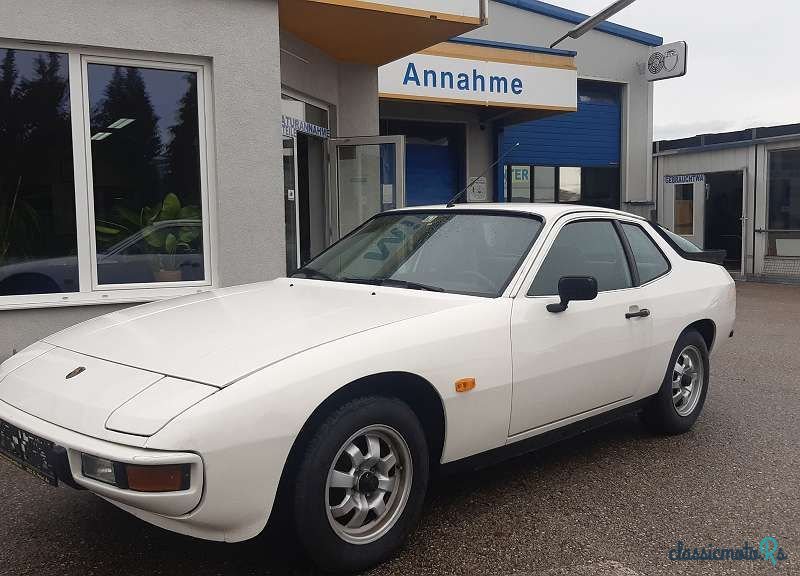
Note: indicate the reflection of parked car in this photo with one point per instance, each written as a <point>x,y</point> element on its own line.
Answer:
<point>149,256</point>
<point>325,401</point>
<point>143,257</point>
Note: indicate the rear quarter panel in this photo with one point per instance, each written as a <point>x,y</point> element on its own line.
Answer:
<point>690,292</point>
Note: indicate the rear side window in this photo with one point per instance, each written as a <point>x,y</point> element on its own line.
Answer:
<point>650,262</point>
<point>584,248</point>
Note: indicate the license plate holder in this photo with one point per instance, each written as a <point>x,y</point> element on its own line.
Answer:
<point>28,452</point>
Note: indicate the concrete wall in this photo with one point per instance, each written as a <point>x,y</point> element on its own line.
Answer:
<point>352,89</point>
<point>601,56</point>
<point>240,40</point>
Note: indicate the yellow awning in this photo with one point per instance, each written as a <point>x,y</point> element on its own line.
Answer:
<point>373,32</point>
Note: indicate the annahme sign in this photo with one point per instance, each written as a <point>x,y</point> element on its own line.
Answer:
<point>444,79</point>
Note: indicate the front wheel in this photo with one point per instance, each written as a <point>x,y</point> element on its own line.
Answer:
<point>682,395</point>
<point>361,484</point>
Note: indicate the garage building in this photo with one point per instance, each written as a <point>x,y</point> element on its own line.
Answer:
<point>160,148</point>
<point>735,191</point>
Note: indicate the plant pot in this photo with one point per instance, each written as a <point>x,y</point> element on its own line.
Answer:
<point>169,276</point>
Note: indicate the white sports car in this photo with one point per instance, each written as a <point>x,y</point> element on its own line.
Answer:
<point>426,337</point>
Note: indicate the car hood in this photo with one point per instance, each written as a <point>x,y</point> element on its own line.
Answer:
<point>221,336</point>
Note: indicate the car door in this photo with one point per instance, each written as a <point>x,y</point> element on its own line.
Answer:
<point>591,356</point>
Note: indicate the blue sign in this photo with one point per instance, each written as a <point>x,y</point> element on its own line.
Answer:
<point>291,126</point>
<point>449,80</point>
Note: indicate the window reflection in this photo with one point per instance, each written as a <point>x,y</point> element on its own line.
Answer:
<point>38,240</point>
<point>569,184</point>
<point>146,174</point>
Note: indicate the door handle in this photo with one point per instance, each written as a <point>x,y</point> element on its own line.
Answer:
<point>643,313</point>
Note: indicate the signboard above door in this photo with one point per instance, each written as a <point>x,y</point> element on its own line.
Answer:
<point>683,178</point>
<point>666,61</point>
<point>482,76</point>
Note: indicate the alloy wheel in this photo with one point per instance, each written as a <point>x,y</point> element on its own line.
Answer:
<point>687,380</point>
<point>368,484</point>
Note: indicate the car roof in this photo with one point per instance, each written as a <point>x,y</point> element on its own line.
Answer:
<point>547,211</point>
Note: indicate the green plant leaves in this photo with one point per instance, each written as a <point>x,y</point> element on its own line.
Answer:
<point>190,213</point>
<point>170,207</point>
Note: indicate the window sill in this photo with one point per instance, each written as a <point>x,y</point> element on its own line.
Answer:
<point>125,296</point>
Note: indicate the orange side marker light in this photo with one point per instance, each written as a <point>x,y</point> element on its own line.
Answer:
<point>465,384</point>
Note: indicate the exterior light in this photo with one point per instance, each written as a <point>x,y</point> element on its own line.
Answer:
<point>592,21</point>
<point>160,478</point>
<point>99,469</point>
<point>101,136</point>
<point>169,478</point>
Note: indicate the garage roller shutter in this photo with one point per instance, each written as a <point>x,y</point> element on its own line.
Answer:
<point>588,137</point>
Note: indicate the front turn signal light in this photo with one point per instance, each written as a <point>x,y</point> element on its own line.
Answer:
<point>465,384</point>
<point>169,478</point>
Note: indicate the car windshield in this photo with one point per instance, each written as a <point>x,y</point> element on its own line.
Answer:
<point>464,252</point>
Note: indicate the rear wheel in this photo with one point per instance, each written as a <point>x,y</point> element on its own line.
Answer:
<point>361,484</point>
<point>682,395</point>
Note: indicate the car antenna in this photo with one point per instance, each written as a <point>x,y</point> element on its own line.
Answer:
<point>455,198</point>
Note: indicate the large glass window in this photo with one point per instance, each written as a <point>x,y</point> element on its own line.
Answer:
<point>585,248</point>
<point>593,186</point>
<point>684,209</point>
<point>520,178</point>
<point>783,238</point>
<point>569,184</point>
<point>102,177</point>
<point>462,252</point>
<point>146,174</point>
<point>784,190</point>
<point>38,238</point>
<point>544,184</point>
<point>650,262</point>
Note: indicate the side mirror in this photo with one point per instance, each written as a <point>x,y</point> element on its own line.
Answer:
<point>574,288</point>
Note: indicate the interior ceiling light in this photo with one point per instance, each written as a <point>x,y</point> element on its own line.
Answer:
<point>121,123</point>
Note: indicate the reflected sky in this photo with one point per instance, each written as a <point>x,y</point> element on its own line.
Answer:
<point>164,87</point>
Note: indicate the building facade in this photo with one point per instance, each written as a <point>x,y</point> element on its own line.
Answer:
<point>154,149</point>
<point>735,191</point>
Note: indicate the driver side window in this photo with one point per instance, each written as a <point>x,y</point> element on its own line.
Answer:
<point>584,248</point>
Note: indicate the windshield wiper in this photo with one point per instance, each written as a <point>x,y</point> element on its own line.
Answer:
<point>376,281</point>
<point>312,273</point>
<point>408,284</point>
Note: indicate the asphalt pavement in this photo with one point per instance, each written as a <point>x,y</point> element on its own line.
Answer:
<point>613,502</point>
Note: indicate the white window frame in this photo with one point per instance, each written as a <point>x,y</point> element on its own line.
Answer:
<point>90,291</point>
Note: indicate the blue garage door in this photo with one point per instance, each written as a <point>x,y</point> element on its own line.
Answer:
<point>588,137</point>
<point>435,157</point>
<point>431,173</point>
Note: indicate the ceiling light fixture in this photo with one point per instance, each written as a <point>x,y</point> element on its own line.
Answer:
<point>121,123</point>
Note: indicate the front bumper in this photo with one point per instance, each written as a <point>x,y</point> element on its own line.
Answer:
<point>70,445</point>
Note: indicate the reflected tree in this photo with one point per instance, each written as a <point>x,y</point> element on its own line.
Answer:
<point>37,214</point>
<point>127,164</point>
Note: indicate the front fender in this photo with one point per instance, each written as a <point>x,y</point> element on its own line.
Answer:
<point>245,432</point>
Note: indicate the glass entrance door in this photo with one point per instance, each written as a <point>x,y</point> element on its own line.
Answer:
<point>367,177</point>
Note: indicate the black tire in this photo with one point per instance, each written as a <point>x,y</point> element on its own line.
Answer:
<point>661,414</point>
<point>326,548</point>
